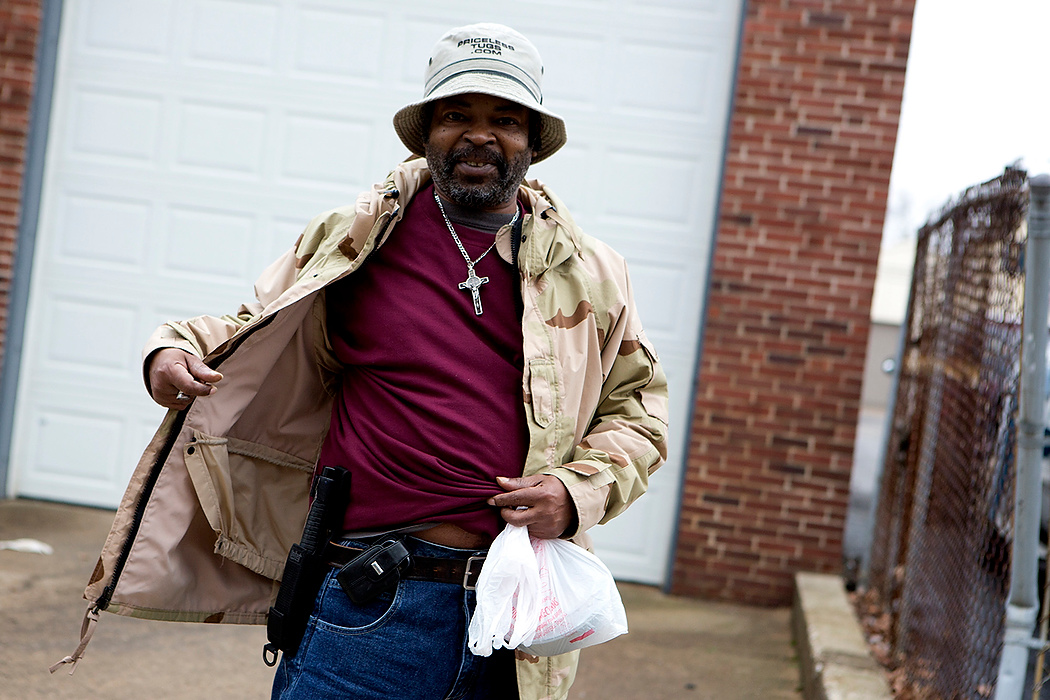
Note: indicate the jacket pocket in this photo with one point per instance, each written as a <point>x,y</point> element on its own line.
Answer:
<point>653,401</point>
<point>254,497</point>
<point>542,391</point>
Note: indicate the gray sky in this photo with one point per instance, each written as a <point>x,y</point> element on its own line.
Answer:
<point>974,102</point>
<point>976,99</point>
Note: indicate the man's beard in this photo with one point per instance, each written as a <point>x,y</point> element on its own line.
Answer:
<point>485,195</point>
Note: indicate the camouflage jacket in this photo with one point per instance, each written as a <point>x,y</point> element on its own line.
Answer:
<point>220,494</point>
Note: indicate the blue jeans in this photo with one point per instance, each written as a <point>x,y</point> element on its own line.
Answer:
<point>410,642</point>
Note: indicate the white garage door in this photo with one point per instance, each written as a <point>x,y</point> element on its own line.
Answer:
<point>191,140</point>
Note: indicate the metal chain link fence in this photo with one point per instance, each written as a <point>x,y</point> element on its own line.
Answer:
<point>940,559</point>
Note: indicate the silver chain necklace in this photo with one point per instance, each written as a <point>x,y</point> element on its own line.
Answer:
<point>473,282</point>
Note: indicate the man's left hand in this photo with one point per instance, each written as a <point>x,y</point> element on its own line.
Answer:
<point>539,502</point>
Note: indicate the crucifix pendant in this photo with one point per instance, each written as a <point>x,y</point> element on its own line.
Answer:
<point>473,283</point>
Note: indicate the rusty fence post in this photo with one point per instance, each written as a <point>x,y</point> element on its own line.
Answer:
<point>1023,600</point>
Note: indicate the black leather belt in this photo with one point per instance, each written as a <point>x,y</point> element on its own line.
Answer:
<point>464,572</point>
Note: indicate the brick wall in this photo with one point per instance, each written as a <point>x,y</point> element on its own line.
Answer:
<point>19,28</point>
<point>818,99</point>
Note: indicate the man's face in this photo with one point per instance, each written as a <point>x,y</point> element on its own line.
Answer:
<point>478,150</point>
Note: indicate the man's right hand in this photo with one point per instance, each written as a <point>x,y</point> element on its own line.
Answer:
<point>176,377</point>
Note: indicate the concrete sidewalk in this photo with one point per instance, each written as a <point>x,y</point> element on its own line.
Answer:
<point>677,648</point>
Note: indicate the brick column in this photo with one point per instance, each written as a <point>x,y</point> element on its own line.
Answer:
<point>19,29</point>
<point>818,99</point>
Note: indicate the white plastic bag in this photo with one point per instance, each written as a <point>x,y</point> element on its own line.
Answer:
<point>507,593</point>
<point>544,597</point>
<point>579,603</point>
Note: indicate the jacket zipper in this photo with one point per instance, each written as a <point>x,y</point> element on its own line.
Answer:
<point>140,508</point>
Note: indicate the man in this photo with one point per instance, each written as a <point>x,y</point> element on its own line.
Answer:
<point>455,342</point>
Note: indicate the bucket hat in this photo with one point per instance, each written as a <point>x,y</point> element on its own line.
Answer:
<point>484,58</point>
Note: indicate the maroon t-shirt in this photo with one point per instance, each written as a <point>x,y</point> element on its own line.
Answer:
<point>429,410</point>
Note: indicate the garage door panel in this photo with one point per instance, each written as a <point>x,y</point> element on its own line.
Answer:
<point>582,88</point>
<point>113,225</point>
<point>661,289</point>
<point>207,245</point>
<point>75,447</point>
<point>690,18</point>
<point>671,180</point>
<point>634,545</point>
<point>236,140</point>
<point>78,448</point>
<point>228,138</point>
<point>317,148</point>
<point>136,29</point>
<point>558,172</point>
<point>291,200</point>
<point>670,81</point>
<point>233,35</point>
<point>192,141</point>
<point>89,335</point>
<point>644,191</point>
<point>115,124</point>
<point>102,231</point>
<point>339,43</point>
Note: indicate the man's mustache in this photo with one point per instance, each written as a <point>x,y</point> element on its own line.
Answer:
<point>476,155</point>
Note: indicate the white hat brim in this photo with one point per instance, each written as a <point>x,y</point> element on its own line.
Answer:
<point>408,121</point>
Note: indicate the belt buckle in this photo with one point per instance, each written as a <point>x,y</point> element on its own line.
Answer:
<point>467,570</point>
